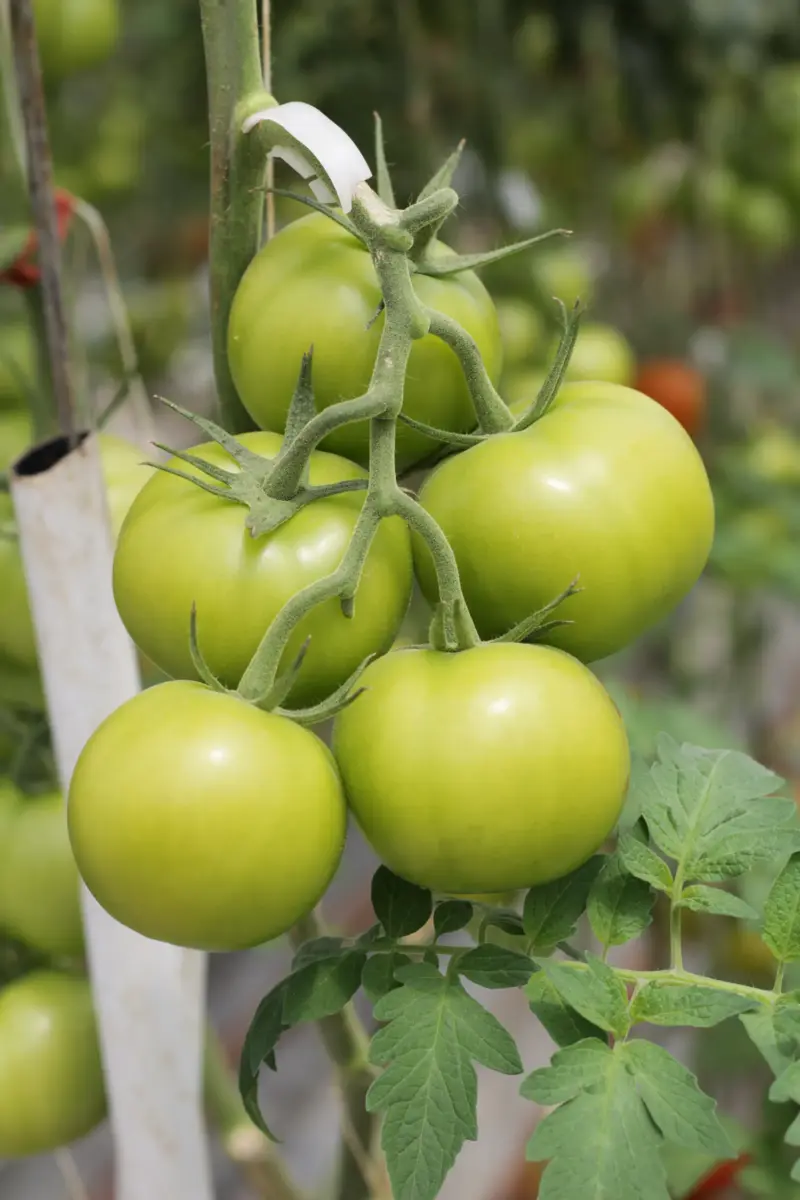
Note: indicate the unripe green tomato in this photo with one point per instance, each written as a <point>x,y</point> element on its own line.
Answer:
<point>198,819</point>
<point>607,488</point>
<point>313,284</point>
<point>763,219</point>
<point>564,271</point>
<point>489,770</point>
<point>52,1089</point>
<point>774,454</point>
<point>521,330</point>
<point>39,885</point>
<point>601,353</point>
<point>124,475</point>
<point>75,35</point>
<point>181,545</point>
<point>17,365</point>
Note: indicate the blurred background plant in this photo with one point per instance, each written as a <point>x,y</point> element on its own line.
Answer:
<point>667,136</point>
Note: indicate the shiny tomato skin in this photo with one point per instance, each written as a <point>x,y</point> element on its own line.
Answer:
<point>314,284</point>
<point>123,474</point>
<point>52,1089</point>
<point>75,35</point>
<point>677,387</point>
<point>607,488</point>
<point>198,819</point>
<point>601,353</point>
<point>181,545</point>
<point>489,770</point>
<point>39,883</point>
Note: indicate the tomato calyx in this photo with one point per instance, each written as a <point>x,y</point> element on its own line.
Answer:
<point>458,636</point>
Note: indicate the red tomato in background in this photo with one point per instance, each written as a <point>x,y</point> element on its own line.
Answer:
<point>678,387</point>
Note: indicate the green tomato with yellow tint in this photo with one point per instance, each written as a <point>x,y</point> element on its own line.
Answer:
<point>314,284</point>
<point>181,545</point>
<point>606,488</point>
<point>198,819</point>
<point>522,331</point>
<point>39,883</point>
<point>601,353</point>
<point>50,1066</point>
<point>75,35</point>
<point>488,770</point>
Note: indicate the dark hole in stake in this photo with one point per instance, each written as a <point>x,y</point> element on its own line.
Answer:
<point>46,455</point>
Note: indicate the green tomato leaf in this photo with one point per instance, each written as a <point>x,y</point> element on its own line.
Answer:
<point>504,919</point>
<point>620,905</point>
<point>641,860</point>
<point>787,1085</point>
<point>452,915</point>
<point>564,1024</point>
<point>687,1004</point>
<point>378,976</point>
<point>601,1142</point>
<point>596,992</point>
<point>714,811</point>
<point>781,930</point>
<point>316,949</point>
<point>323,986</point>
<point>496,967</point>
<point>702,898</point>
<point>401,907</point>
<point>786,1020</point>
<point>259,1047</point>
<point>761,1027</point>
<point>551,912</point>
<point>428,1093</point>
<point>683,1113</point>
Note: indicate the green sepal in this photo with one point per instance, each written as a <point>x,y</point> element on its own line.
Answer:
<point>327,210</point>
<point>451,264</point>
<point>302,408</point>
<point>448,437</point>
<point>200,665</point>
<point>333,704</point>
<point>382,176</point>
<point>536,624</point>
<point>555,376</point>
<point>444,176</point>
<point>285,680</point>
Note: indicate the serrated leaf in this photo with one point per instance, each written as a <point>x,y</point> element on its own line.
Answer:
<point>323,986</point>
<point>687,1004</point>
<point>428,1093</point>
<point>564,1024</point>
<point>596,992</point>
<point>781,930</point>
<point>317,948</point>
<point>683,1113</point>
<point>620,905</point>
<point>551,912</point>
<point>496,967</point>
<point>378,976</point>
<point>642,861</point>
<point>787,1085</point>
<point>713,811</point>
<point>452,915</point>
<point>601,1143</point>
<point>262,1037</point>
<point>760,1028</point>
<point>401,907</point>
<point>786,1021</point>
<point>702,898</point>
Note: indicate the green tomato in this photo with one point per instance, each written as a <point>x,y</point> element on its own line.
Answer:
<point>124,475</point>
<point>601,353</point>
<point>489,770</point>
<point>314,285</point>
<point>608,488</point>
<point>17,366</point>
<point>201,820</point>
<point>75,35</point>
<point>763,219</point>
<point>52,1089</point>
<point>521,330</point>
<point>774,455</point>
<point>39,885</point>
<point>564,271</point>
<point>181,545</point>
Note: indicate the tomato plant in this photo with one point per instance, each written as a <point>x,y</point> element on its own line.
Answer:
<point>181,546</point>
<point>50,1064</point>
<point>75,35</point>
<point>198,819</point>
<point>440,813</point>
<point>314,284</point>
<point>39,898</point>
<point>678,387</point>
<point>576,496</point>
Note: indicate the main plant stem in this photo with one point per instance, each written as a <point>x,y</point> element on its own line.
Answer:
<point>234,74</point>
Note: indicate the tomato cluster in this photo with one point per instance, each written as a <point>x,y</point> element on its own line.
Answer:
<point>201,812</point>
